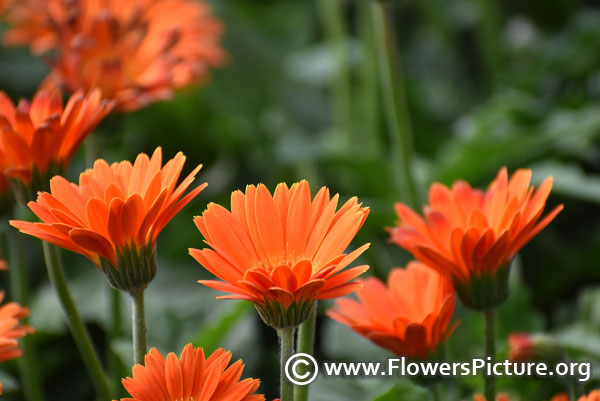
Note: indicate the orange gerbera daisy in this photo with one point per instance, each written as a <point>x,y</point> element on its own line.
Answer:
<point>191,377</point>
<point>114,215</point>
<point>136,51</point>
<point>11,330</point>
<point>410,316</point>
<point>593,396</point>
<point>472,236</point>
<point>281,252</point>
<point>39,139</point>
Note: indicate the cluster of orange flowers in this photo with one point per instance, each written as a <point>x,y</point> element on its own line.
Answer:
<point>284,251</point>
<point>118,55</point>
<point>135,51</point>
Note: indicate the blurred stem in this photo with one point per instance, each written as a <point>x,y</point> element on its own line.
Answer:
<point>138,318</point>
<point>332,18</point>
<point>394,101</point>
<point>114,364</point>
<point>571,390</point>
<point>306,340</point>
<point>574,386</point>
<point>286,341</point>
<point>368,82</point>
<point>489,38</point>
<point>91,150</point>
<point>489,381</point>
<point>28,368</point>
<point>78,330</point>
<point>436,391</point>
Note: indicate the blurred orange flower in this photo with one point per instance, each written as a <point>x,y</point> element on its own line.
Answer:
<point>281,252</point>
<point>521,346</point>
<point>135,51</point>
<point>37,23</point>
<point>472,236</point>
<point>526,346</point>
<point>410,316</point>
<point>592,396</point>
<point>10,330</point>
<point>500,397</point>
<point>115,214</point>
<point>4,184</point>
<point>38,139</point>
<point>191,377</point>
<point>504,397</point>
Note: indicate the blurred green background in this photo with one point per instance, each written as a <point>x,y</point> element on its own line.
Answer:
<point>482,84</point>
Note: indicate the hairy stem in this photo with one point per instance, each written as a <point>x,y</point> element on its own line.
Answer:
<point>306,340</point>
<point>286,341</point>
<point>489,383</point>
<point>138,319</point>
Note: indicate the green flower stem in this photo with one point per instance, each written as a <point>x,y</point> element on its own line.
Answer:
<point>28,368</point>
<point>78,330</point>
<point>306,340</point>
<point>436,391</point>
<point>332,17</point>
<point>90,147</point>
<point>138,318</point>
<point>286,341</point>
<point>394,101</point>
<point>489,383</point>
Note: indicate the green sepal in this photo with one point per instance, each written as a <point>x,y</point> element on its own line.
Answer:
<point>276,315</point>
<point>136,267</point>
<point>485,291</point>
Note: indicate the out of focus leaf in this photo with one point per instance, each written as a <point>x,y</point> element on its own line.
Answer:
<point>346,389</point>
<point>494,137</point>
<point>569,180</point>
<point>405,391</point>
<point>210,337</point>
<point>9,383</point>
<point>342,343</point>
<point>580,340</point>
